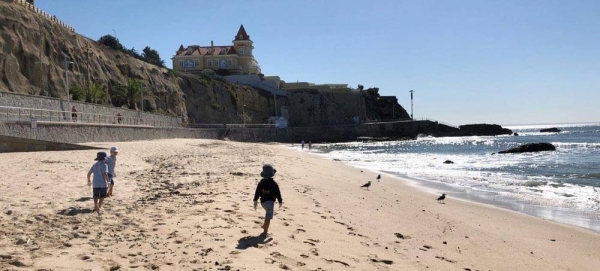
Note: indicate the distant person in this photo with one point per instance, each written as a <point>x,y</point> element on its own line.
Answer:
<point>268,191</point>
<point>112,162</point>
<point>119,118</point>
<point>309,145</point>
<point>302,143</point>
<point>74,114</point>
<point>100,181</point>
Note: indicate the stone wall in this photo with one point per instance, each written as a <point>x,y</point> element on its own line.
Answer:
<point>79,133</point>
<point>255,80</point>
<point>312,107</point>
<point>49,103</point>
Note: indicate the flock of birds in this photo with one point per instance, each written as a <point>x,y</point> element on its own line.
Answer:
<point>368,184</point>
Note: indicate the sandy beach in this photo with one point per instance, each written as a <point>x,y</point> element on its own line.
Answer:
<point>185,204</point>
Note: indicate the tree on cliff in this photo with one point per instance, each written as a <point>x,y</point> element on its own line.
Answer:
<point>111,42</point>
<point>152,56</point>
<point>130,94</point>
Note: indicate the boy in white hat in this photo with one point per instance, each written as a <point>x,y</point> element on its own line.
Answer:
<point>112,163</point>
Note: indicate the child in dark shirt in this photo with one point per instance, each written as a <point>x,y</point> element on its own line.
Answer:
<point>268,191</point>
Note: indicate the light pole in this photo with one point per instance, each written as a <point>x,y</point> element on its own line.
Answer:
<point>275,100</point>
<point>67,62</point>
<point>143,89</point>
<point>244,114</point>
<point>115,32</point>
<point>411,104</point>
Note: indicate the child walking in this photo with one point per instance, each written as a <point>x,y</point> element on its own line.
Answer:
<point>268,191</point>
<point>112,162</point>
<point>100,181</point>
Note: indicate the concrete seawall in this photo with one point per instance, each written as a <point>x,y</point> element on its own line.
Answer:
<point>81,133</point>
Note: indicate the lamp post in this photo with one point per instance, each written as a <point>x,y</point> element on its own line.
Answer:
<point>411,104</point>
<point>115,32</point>
<point>275,100</point>
<point>67,62</point>
<point>143,89</point>
<point>244,114</point>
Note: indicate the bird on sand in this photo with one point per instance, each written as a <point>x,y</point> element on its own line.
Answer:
<point>366,185</point>
<point>378,177</point>
<point>441,198</point>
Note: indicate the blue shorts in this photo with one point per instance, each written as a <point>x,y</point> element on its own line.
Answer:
<point>100,193</point>
<point>268,206</point>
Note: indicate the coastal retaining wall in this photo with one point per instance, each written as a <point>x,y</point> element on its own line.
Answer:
<point>17,144</point>
<point>340,133</point>
<point>50,103</point>
<point>79,133</point>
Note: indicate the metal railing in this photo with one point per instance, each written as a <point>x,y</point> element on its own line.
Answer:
<point>216,126</point>
<point>9,113</point>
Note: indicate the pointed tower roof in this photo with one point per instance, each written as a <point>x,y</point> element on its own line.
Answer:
<point>241,34</point>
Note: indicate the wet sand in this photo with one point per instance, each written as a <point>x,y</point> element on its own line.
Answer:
<point>186,204</point>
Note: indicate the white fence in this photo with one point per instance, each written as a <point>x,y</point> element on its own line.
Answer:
<point>8,113</point>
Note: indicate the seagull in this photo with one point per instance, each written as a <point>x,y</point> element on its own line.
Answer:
<point>441,198</point>
<point>378,177</point>
<point>366,185</point>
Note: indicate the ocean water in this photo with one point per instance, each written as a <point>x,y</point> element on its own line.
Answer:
<point>562,185</point>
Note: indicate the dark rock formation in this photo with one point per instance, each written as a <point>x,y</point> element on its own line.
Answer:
<point>516,134</point>
<point>550,130</point>
<point>448,162</point>
<point>484,130</point>
<point>531,147</point>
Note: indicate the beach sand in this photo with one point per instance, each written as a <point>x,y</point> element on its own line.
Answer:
<point>184,204</point>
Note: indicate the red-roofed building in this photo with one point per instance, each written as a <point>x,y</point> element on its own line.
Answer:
<point>236,58</point>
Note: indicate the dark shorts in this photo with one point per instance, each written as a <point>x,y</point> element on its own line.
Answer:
<point>100,193</point>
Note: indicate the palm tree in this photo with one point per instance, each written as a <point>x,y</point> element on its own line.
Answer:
<point>132,92</point>
<point>96,93</point>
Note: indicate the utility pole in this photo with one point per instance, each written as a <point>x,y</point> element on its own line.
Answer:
<point>67,62</point>
<point>88,52</point>
<point>275,100</point>
<point>411,104</point>
<point>244,114</point>
<point>143,89</point>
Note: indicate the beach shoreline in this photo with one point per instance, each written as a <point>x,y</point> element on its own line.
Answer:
<point>187,204</point>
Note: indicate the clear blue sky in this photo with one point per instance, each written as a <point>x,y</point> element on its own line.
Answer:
<point>469,61</point>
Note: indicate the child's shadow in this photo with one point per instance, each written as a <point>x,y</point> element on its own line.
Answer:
<point>74,211</point>
<point>252,241</point>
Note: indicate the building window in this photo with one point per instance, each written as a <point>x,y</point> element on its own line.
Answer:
<point>242,50</point>
<point>196,63</point>
<point>229,62</point>
<point>209,63</point>
<point>181,63</point>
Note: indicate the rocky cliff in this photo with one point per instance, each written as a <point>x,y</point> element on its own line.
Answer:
<point>32,61</point>
<point>34,51</point>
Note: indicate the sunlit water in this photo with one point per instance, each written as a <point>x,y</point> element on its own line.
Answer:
<point>563,185</point>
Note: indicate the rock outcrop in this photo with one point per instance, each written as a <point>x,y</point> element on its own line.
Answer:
<point>484,130</point>
<point>550,130</point>
<point>531,147</point>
